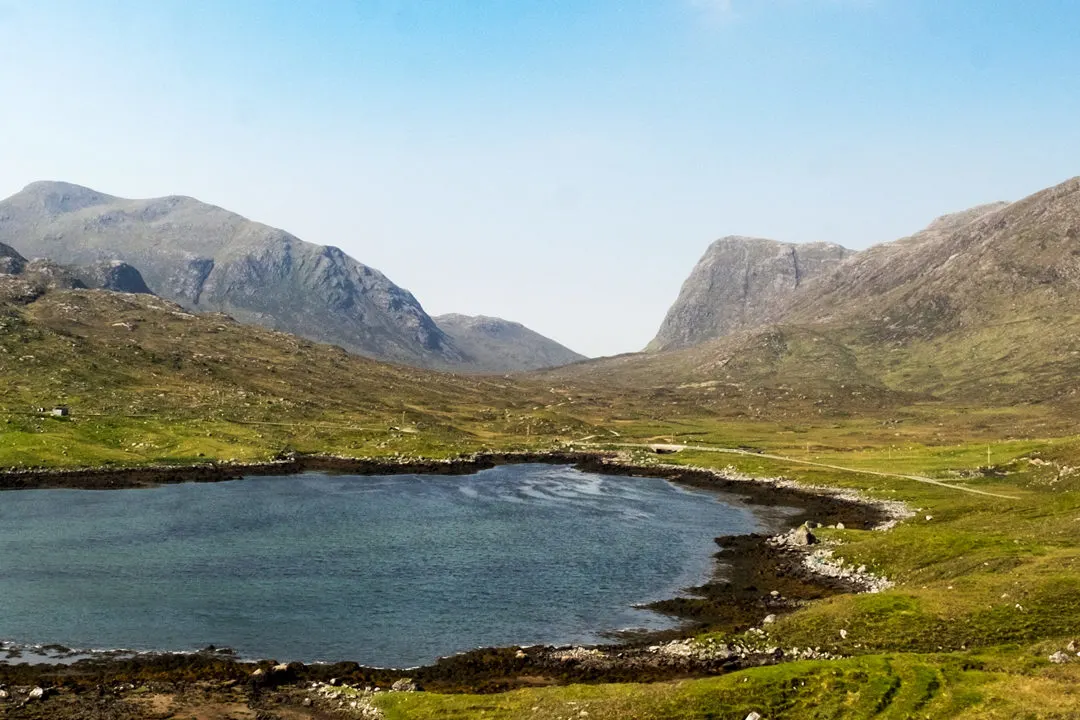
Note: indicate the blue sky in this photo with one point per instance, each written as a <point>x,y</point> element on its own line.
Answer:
<point>559,163</point>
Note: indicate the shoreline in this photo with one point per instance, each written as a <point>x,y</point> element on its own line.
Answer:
<point>754,576</point>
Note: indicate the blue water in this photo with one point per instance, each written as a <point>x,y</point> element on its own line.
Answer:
<point>390,571</point>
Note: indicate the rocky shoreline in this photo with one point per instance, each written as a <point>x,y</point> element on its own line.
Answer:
<point>758,577</point>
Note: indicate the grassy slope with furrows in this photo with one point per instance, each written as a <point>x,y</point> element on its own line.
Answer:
<point>987,589</point>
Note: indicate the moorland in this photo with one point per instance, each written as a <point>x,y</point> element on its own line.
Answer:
<point>937,371</point>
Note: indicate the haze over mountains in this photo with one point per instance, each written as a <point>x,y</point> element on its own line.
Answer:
<point>208,259</point>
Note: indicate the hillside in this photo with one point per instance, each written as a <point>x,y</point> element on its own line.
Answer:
<point>741,283</point>
<point>497,345</point>
<point>210,260</point>
<point>120,353</point>
<point>982,307</point>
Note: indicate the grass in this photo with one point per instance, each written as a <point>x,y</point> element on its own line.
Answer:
<point>888,686</point>
<point>987,588</point>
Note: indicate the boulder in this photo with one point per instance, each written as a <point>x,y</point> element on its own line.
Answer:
<point>802,536</point>
<point>404,685</point>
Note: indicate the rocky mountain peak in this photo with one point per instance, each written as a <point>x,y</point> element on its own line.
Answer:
<point>741,282</point>
<point>60,197</point>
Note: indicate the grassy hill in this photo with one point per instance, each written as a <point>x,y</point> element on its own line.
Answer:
<point>147,381</point>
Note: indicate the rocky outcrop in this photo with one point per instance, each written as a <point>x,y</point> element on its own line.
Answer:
<point>739,283</point>
<point>208,259</point>
<point>11,262</point>
<point>50,275</point>
<point>111,275</point>
<point>496,345</point>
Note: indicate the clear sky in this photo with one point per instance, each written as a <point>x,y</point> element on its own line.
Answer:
<point>560,163</point>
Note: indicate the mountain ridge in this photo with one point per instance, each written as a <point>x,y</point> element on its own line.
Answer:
<point>209,259</point>
<point>980,306</point>
<point>498,345</point>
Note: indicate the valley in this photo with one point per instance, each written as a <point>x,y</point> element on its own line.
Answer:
<point>933,375</point>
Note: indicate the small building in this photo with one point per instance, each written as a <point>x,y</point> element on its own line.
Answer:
<point>60,411</point>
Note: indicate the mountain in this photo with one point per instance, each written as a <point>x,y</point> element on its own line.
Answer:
<point>209,259</point>
<point>498,346</point>
<point>741,282</point>
<point>982,307</point>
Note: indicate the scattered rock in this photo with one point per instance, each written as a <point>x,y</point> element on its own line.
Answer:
<point>840,526</point>
<point>754,716</point>
<point>404,685</point>
<point>769,620</point>
<point>1059,658</point>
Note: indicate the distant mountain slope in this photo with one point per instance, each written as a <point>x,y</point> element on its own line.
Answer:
<point>208,259</point>
<point>740,283</point>
<point>865,279</point>
<point>981,307</point>
<point>496,345</point>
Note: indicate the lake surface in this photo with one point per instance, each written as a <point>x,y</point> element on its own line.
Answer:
<point>390,571</point>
